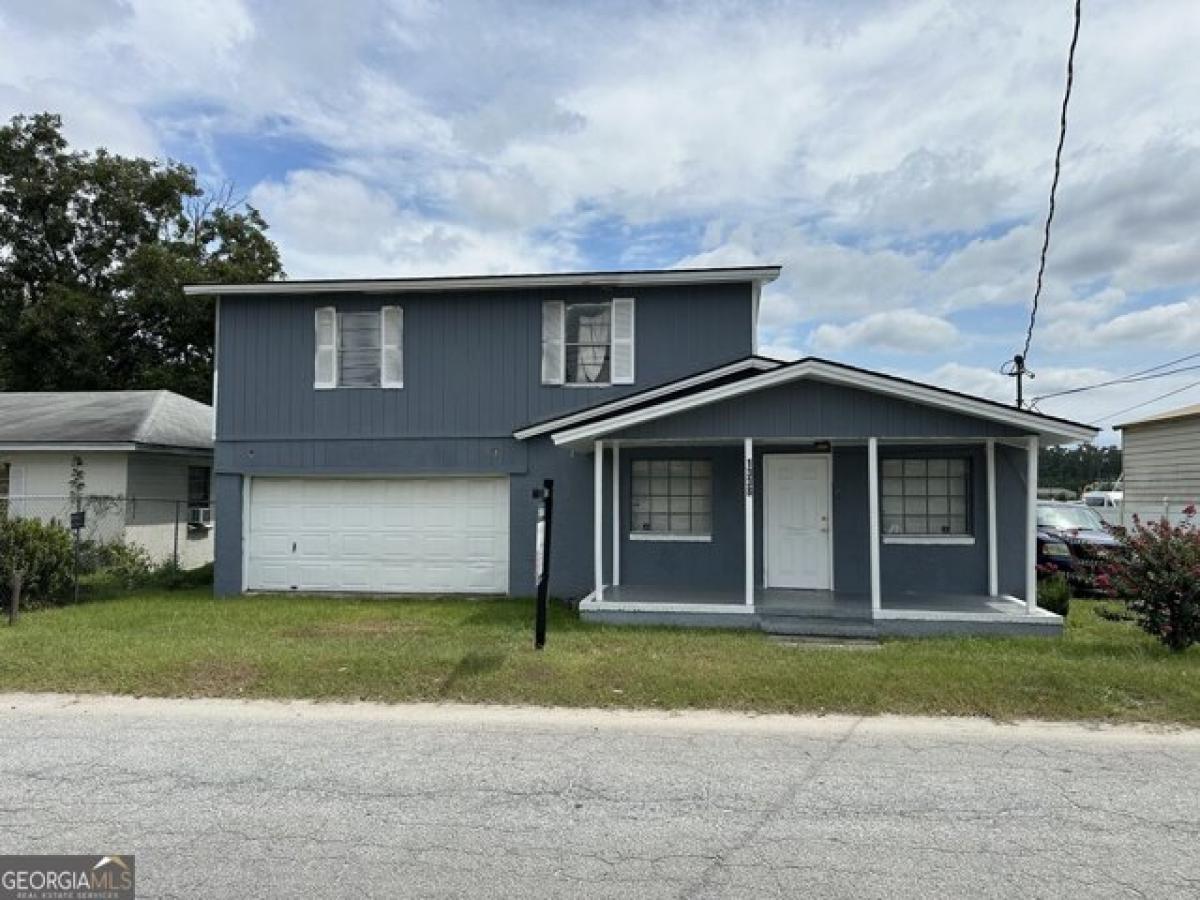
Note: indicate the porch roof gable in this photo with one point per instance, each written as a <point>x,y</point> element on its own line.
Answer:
<point>741,368</point>
<point>609,418</point>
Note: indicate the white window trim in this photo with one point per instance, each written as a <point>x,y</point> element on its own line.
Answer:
<point>614,376</point>
<point>336,384</point>
<point>670,537</point>
<point>945,540</point>
<point>611,303</point>
<point>318,348</point>
<point>959,539</point>
<point>384,383</point>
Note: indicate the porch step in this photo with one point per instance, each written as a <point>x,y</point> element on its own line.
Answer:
<point>817,626</point>
<point>820,614</point>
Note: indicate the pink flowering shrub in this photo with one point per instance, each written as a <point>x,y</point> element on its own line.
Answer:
<point>1159,577</point>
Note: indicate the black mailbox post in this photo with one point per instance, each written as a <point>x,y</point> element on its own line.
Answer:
<point>544,494</point>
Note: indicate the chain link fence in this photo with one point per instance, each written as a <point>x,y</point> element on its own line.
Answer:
<point>168,529</point>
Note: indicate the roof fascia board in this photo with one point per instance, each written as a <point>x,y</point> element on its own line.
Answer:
<point>811,368</point>
<point>758,275</point>
<point>66,446</point>
<point>760,363</point>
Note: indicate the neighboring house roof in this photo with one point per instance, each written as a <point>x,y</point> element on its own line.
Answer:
<point>111,420</point>
<point>630,278</point>
<point>608,420</point>
<point>1183,412</point>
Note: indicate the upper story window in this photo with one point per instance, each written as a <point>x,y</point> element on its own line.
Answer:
<point>926,497</point>
<point>359,349</point>
<point>589,343</point>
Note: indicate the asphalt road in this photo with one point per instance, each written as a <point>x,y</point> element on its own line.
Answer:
<point>229,799</point>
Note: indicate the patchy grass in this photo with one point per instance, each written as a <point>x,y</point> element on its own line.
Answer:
<point>188,644</point>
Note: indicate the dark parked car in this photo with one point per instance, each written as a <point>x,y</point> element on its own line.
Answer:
<point>1073,539</point>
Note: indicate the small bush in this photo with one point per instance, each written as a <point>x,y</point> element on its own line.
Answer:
<point>1054,594</point>
<point>42,555</point>
<point>1159,578</point>
<point>128,565</point>
<point>173,578</point>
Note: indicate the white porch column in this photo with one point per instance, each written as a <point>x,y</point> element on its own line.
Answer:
<point>748,490</point>
<point>993,574</point>
<point>598,521</point>
<point>616,513</point>
<point>1031,486</point>
<point>873,499</point>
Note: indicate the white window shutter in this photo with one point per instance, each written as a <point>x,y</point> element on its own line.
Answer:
<point>554,323</point>
<point>392,347</point>
<point>622,340</point>
<point>325,368</point>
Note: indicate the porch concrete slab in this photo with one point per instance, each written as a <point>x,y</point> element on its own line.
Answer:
<point>840,614</point>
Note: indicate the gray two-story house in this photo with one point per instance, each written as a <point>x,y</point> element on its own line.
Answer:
<point>386,436</point>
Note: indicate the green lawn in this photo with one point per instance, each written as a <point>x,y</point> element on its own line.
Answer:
<point>187,644</point>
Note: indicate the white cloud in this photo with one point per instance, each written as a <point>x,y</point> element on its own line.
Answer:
<point>904,330</point>
<point>338,226</point>
<point>1170,324</point>
<point>893,156</point>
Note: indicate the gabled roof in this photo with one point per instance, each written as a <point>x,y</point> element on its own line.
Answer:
<point>103,420</point>
<point>723,374</point>
<point>627,278</point>
<point>1184,412</point>
<point>608,420</point>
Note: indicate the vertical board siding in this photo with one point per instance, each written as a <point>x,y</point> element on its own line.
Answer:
<point>472,361</point>
<point>818,410</point>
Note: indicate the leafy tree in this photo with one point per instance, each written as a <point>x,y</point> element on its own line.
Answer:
<point>94,249</point>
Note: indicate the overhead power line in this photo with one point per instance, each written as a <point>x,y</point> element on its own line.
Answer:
<point>1018,370</point>
<point>1121,412</point>
<point>1132,378</point>
<point>1062,139</point>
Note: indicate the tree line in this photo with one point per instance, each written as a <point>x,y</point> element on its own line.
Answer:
<point>1075,468</point>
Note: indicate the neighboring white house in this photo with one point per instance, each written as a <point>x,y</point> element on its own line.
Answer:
<point>145,458</point>
<point>1161,461</point>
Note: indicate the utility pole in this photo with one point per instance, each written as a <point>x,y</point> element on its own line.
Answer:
<point>1016,369</point>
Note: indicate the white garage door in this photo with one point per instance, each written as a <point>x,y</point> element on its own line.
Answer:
<point>394,535</point>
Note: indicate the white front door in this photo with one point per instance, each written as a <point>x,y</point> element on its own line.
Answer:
<point>797,521</point>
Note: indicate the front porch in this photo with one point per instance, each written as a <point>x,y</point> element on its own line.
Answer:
<point>807,536</point>
<point>821,613</point>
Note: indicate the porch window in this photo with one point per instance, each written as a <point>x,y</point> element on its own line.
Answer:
<point>925,497</point>
<point>671,499</point>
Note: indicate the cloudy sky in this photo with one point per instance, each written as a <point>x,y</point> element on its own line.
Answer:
<point>894,157</point>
